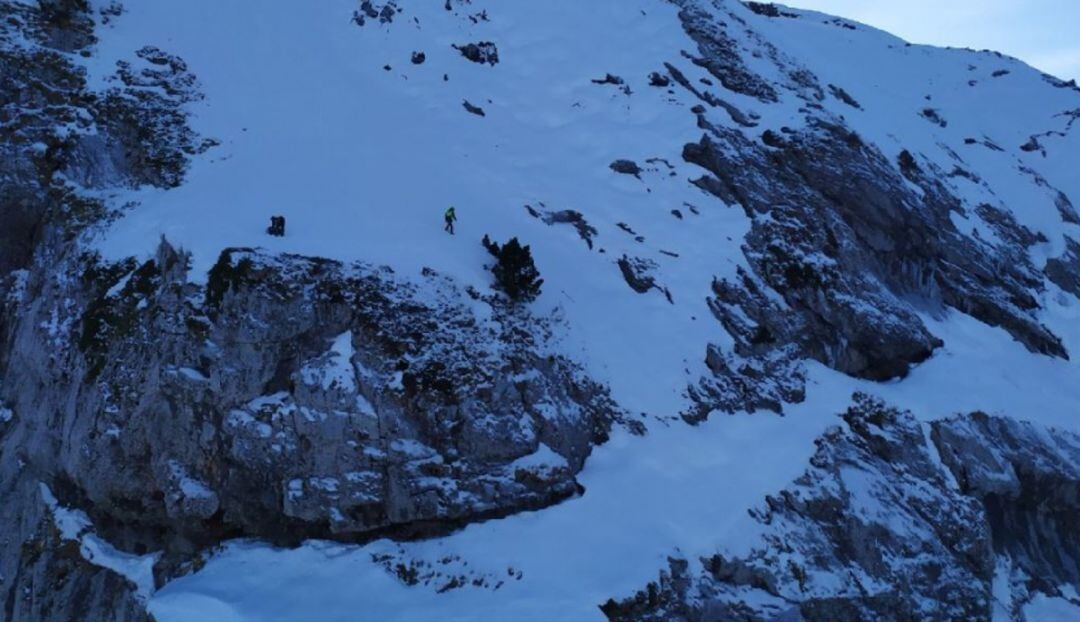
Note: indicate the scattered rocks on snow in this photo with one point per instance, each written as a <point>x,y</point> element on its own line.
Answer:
<point>626,167</point>
<point>1073,116</point>
<point>843,96</point>
<point>480,52</point>
<point>615,81</point>
<point>1031,145</point>
<point>628,229</point>
<point>636,271</point>
<point>658,79</point>
<point>661,161</point>
<point>933,116</point>
<point>477,110</point>
<point>609,79</point>
<point>1061,84</point>
<point>763,8</point>
<point>720,53</point>
<point>768,9</point>
<point>568,216</point>
<point>736,115</point>
<point>482,16</point>
<point>370,11</point>
<point>638,275</point>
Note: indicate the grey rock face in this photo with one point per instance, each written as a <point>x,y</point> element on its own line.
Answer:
<point>286,398</point>
<point>764,369</point>
<point>129,134</point>
<point>1028,481</point>
<point>720,55</point>
<point>855,245</point>
<point>56,583</point>
<point>1064,271</point>
<point>856,253</point>
<point>52,579</point>
<point>878,529</point>
<point>59,137</point>
<point>873,530</point>
<point>291,398</point>
<point>839,233</point>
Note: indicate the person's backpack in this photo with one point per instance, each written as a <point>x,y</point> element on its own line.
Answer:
<point>277,226</point>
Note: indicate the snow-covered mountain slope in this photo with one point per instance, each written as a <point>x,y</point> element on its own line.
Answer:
<point>363,161</point>
<point>743,215</point>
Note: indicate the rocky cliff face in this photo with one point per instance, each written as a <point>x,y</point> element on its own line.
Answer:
<point>856,245</point>
<point>149,413</point>
<point>288,398</point>
<point>964,521</point>
<point>284,398</point>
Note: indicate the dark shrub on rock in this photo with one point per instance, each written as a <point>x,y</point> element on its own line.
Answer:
<point>515,273</point>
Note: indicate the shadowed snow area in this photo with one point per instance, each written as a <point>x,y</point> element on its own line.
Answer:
<point>363,160</point>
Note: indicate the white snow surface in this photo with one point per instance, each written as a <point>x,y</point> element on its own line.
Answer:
<point>335,369</point>
<point>363,161</point>
<point>543,458</point>
<point>1045,608</point>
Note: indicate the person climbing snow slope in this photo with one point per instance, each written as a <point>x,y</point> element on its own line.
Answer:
<point>450,217</point>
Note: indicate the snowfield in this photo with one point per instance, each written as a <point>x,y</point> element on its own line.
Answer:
<point>362,160</point>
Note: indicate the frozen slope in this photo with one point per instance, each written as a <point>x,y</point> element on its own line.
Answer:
<point>363,161</point>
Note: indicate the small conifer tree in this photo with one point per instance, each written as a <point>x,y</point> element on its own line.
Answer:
<point>515,273</point>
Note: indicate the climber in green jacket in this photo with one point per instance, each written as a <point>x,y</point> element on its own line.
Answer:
<point>450,217</point>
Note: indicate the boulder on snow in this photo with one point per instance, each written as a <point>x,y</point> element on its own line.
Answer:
<point>626,167</point>
<point>480,52</point>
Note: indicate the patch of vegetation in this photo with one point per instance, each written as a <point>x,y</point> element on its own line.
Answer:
<point>515,272</point>
<point>434,378</point>
<point>225,276</point>
<point>108,318</point>
<point>908,165</point>
<point>154,134</point>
